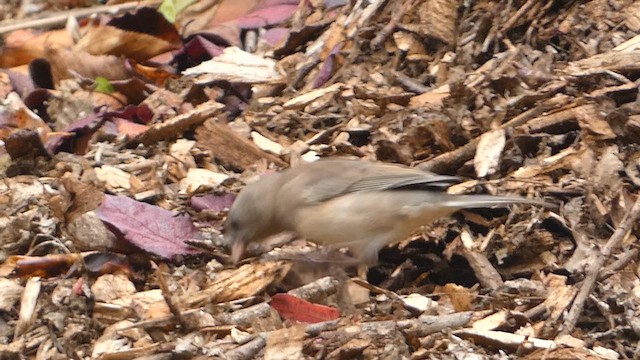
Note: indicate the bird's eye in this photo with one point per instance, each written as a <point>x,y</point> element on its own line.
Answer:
<point>233,225</point>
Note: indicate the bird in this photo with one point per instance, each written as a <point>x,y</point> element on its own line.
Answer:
<point>347,203</point>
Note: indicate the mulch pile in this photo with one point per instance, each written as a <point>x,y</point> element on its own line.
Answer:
<point>125,137</point>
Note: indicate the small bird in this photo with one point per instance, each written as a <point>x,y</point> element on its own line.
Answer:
<point>344,203</point>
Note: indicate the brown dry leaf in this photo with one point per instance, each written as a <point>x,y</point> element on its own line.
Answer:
<point>85,196</point>
<point>23,51</point>
<point>461,298</point>
<point>201,14</point>
<point>108,40</point>
<point>66,63</point>
<point>229,10</point>
<point>159,76</point>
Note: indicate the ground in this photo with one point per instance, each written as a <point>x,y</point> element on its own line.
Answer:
<point>127,130</point>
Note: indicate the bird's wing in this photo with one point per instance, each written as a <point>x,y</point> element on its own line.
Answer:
<point>327,179</point>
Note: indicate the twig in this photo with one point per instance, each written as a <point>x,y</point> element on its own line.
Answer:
<point>317,290</point>
<point>168,298</point>
<point>387,29</point>
<point>624,260</point>
<point>59,18</point>
<point>515,17</point>
<point>376,289</point>
<point>455,158</point>
<point>248,350</point>
<point>589,283</point>
<point>409,83</point>
<point>485,272</point>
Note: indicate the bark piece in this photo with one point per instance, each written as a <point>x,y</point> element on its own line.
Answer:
<point>230,148</point>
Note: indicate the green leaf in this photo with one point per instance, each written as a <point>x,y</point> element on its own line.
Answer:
<point>171,8</point>
<point>103,85</point>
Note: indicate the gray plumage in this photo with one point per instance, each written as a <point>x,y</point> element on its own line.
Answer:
<point>357,204</point>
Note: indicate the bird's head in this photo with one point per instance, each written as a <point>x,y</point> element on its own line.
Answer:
<point>251,217</point>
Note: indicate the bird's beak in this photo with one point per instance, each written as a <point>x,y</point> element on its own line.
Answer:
<point>237,250</point>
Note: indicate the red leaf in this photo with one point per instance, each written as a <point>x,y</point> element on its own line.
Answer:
<point>295,309</point>
<point>148,227</point>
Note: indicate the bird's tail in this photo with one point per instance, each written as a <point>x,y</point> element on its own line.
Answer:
<point>482,201</point>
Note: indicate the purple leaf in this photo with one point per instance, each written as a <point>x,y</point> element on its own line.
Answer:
<point>326,69</point>
<point>213,202</point>
<point>137,113</point>
<point>275,35</point>
<point>151,228</point>
<point>80,129</point>
<point>267,16</point>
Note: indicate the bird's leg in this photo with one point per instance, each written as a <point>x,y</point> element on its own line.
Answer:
<point>362,271</point>
<point>364,251</point>
<point>368,257</point>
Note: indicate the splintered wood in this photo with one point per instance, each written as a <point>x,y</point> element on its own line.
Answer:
<point>229,148</point>
<point>126,137</point>
<point>248,280</point>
